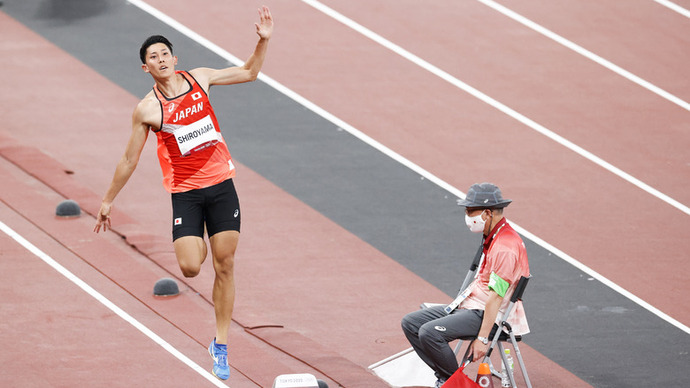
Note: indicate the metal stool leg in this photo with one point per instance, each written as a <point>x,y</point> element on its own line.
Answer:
<point>521,362</point>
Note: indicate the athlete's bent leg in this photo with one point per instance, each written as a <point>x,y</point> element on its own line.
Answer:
<point>223,246</point>
<point>191,252</point>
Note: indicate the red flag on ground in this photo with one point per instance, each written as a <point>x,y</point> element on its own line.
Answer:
<point>460,380</point>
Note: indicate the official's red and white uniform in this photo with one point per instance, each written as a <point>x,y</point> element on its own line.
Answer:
<point>505,255</point>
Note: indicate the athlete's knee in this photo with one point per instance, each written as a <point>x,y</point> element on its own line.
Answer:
<point>224,264</point>
<point>190,270</point>
<point>191,253</point>
<point>223,246</point>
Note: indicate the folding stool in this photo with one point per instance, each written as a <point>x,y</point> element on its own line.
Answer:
<point>502,334</point>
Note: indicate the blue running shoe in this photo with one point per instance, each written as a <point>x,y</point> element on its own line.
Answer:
<point>220,360</point>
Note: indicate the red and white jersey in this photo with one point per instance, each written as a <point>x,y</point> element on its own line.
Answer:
<point>506,256</point>
<point>191,150</point>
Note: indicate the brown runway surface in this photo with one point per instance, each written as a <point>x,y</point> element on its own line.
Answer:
<point>339,239</point>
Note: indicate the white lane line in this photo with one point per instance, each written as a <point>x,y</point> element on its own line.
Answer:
<point>586,53</point>
<point>674,7</point>
<point>498,105</point>
<point>110,305</point>
<point>395,156</point>
<point>601,278</point>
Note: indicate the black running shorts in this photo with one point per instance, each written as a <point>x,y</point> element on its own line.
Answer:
<point>217,206</point>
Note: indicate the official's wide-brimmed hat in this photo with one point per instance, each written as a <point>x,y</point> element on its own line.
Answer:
<point>484,195</point>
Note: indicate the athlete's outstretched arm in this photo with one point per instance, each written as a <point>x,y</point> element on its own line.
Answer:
<point>125,167</point>
<point>251,68</point>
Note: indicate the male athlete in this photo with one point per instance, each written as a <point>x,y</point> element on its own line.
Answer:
<point>197,167</point>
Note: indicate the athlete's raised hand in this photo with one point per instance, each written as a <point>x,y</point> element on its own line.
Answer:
<point>265,27</point>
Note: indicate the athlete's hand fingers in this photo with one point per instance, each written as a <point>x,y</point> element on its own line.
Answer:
<point>97,228</point>
<point>265,25</point>
<point>102,222</point>
<point>103,218</point>
<point>265,13</point>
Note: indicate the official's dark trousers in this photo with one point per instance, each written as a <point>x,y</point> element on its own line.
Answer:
<point>430,330</point>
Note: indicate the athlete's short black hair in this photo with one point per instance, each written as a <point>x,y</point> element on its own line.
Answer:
<point>153,39</point>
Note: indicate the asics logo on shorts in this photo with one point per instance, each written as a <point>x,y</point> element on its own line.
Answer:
<point>237,213</point>
<point>440,328</point>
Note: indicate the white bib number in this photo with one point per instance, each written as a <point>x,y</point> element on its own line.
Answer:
<point>194,136</point>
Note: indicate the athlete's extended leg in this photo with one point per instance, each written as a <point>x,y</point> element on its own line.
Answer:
<point>191,253</point>
<point>222,215</point>
<point>223,246</point>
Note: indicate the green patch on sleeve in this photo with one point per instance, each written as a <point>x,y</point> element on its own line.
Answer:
<point>498,285</point>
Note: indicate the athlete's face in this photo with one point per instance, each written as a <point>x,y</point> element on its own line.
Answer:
<point>159,61</point>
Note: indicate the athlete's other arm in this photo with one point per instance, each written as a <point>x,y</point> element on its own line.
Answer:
<point>128,162</point>
<point>251,68</point>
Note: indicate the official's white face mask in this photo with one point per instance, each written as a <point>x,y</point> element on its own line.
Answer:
<point>476,223</point>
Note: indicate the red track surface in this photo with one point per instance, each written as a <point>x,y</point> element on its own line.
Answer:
<point>570,200</point>
<point>567,200</point>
